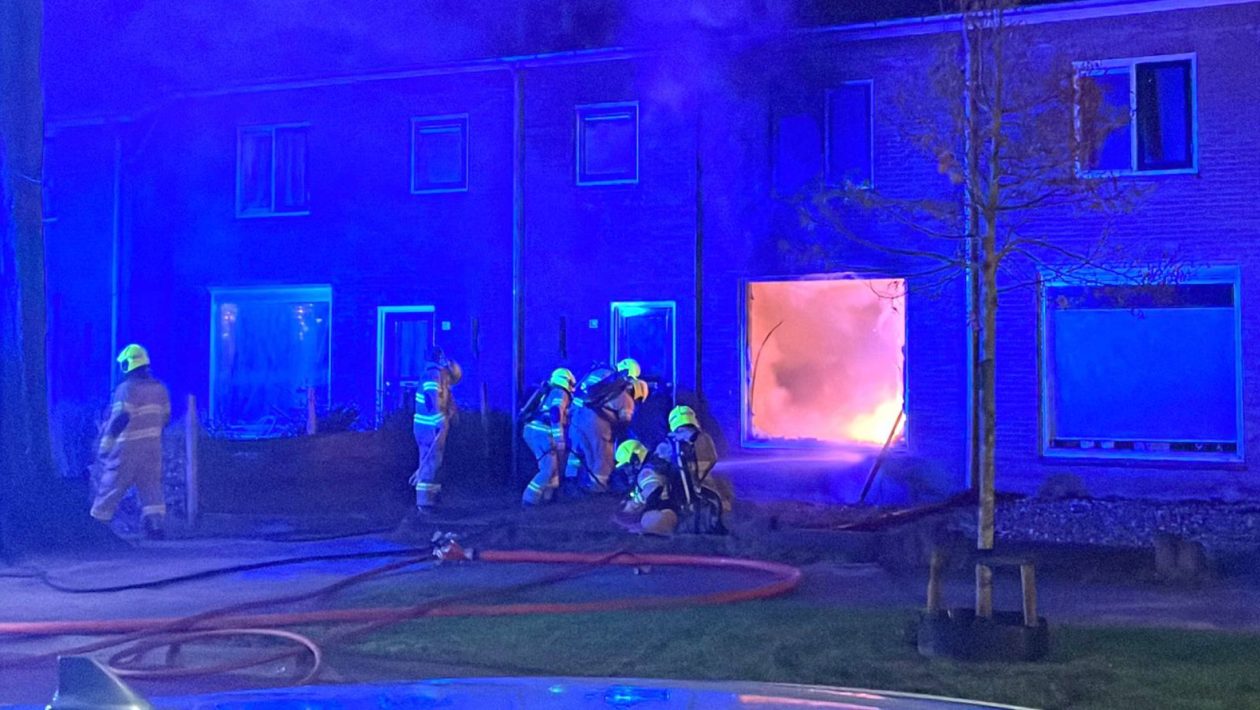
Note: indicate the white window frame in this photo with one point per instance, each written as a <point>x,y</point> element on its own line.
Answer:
<point>1208,275</point>
<point>381,313</point>
<point>830,181</point>
<point>746,440</point>
<point>1095,68</point>
<point>297,292</point>
<point>241,131</point>
<point>454,119</point>
<point>609,109</point>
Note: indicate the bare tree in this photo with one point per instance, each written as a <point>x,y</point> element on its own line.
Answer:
<point>1012,127</point>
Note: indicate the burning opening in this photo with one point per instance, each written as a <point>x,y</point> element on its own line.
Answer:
<point>825,361</point>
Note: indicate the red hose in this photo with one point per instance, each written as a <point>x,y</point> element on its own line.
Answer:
<point>786,578</point>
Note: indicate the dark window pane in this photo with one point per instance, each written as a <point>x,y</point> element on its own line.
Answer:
<point>1106,129</point>
<point>1164,116</point>
<point>798,152</point>
<point>439,158</point>
<point>1164,370</point>
<point>609,145</point>
<point>254,171</point>
<point>291,170</point>
<point>849,135</point>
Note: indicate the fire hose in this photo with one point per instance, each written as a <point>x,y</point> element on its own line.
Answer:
<point>146,635</point>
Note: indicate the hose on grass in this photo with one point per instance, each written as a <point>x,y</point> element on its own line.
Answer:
<point>146,635</point>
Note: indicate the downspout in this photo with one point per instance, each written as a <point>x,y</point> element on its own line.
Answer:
<point>699,263</point>
<point>972,220</point>
<point>518,253</point>
<point>115,264</point>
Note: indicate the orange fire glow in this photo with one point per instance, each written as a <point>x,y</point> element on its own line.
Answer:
<point>825,359</point>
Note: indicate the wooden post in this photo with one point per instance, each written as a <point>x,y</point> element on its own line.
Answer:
<point>192,431</point>
<point>1028,580</point>
<point>311,425</point>
<point>984,591</point>
<point>934,582</point>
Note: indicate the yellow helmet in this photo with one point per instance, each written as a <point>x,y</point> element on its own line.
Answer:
<point>639,390</point>
<point>455,371</point>
<point>659,522</point>
<point>631,449</point>
<point>132,357</point>
<point>563,378</point>
<point>630,367</point>
<point>682,415</point>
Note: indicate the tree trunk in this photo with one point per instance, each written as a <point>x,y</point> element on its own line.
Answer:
<point>33,499</point>
<point>988,403</point>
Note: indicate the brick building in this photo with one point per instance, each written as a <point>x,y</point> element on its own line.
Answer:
<point>266,240</point>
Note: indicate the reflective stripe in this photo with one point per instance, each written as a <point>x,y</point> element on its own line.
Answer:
<point>557,431</point>
<point>422,486</point>
<point>117,407</point>
<point>430,387</point>
<point>429,419</point>
<point>159,509</point>
<point>538,426</point>
<point>150,433</point>
<point>533,486</point>
<point>148,409</point>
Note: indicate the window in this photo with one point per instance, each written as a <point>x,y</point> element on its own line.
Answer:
<point>824,362</point>
<point>1138,116</point>
<point>608,144</point>
<point>269,348</point>
<point>1143,371</point>
<point>439,154</point>
<point>850,148</point>
<point>271,171</point>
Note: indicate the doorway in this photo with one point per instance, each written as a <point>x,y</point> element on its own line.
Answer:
<point>404,335</point>
<point>646,331</point>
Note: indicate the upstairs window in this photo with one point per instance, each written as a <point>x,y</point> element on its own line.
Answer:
<point>1137,116</point>
<point>850,148</point>
<point>439,154</point>
<point>271,171</point>
<point>608,144</point>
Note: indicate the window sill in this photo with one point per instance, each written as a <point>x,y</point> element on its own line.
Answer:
<point>591,183</point>
<point>1103,174</point>
<point>438,190</point>
<point>1099,457</point>
<point>255,215</point>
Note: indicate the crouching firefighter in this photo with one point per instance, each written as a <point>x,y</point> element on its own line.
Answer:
<point>648,508</point>
<point>545,418</point>
<point>699,498</point>
<point>435,409</point>
<point>130,449</point>
<point>593,426</point>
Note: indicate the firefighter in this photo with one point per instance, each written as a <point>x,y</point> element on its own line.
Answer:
<point>693,455</point>
<point>627,370</point>
<point>130,448</point>
<point>591,431</point>
<point>435,410</point>
<point>649,508</point>
<point>546,421</point>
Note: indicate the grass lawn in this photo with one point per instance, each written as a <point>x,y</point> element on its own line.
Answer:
<point>787,641</point>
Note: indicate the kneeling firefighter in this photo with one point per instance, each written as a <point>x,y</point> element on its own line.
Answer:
<point>545,418</point>
<point>649,507</point>
<point>130,449</point>
<point>592,429</point>
<point>435,409</point>
<point>699,498</point>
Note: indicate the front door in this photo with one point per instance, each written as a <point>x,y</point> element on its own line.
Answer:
<point>404,335</point>
<point>645,331</point>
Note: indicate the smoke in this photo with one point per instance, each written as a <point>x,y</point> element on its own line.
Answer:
<point>826,359</point>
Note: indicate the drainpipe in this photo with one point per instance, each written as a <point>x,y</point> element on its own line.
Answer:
<point>972,220</point>
<point>115,264</point>
<point>699,265</point>
<point>518,252</point>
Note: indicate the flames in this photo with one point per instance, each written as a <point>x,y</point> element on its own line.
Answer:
<point>828,359</point>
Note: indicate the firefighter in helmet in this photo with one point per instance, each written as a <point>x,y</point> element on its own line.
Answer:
<point>435,409</point>
<point>546,420</point>
<point>130,448</point>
